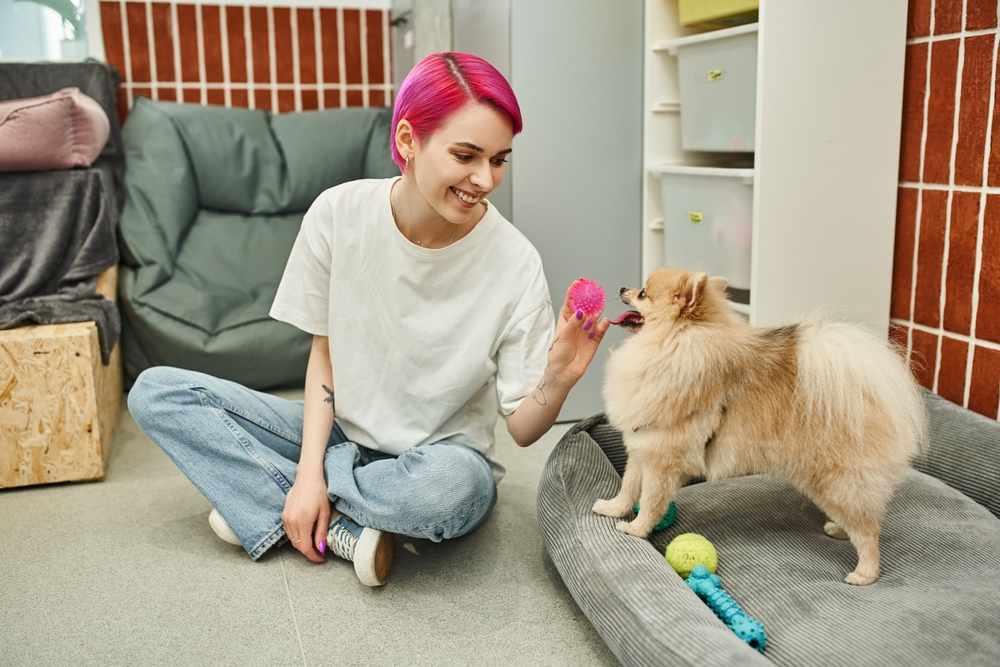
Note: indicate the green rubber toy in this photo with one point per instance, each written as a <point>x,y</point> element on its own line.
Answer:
<point>666,521</point>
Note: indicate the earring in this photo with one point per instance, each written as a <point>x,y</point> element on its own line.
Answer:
<point>407,167</point>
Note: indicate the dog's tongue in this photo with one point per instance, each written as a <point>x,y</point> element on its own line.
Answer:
<point>627,315</point>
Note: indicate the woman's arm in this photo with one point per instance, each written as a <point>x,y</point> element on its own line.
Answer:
<point>307,507</point>
<point>574,347</point>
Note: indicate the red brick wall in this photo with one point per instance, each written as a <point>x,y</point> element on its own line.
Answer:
<point>258,57</point>
<point>946,273</point>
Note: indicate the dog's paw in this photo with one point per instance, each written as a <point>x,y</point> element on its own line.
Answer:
<point>857,579</point>
<point>628,528</point>
<point>607,508</point>
<point>835,531</point>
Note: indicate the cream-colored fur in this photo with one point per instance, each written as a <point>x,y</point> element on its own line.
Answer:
<point>698,392</point>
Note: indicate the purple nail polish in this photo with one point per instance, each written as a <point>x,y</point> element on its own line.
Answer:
<point>586,327</point>
<point>592,333</point>
<point>322,546</point>
<point>579,314</point>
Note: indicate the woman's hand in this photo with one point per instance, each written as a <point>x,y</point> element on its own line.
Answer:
<point>576,341</point>
<point>307,515</point>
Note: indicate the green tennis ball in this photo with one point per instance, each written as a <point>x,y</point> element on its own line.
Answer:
<point>689,550</point>
<point>666,521</point>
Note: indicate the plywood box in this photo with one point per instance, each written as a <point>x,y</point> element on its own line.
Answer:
<point>714,14</point>
<point>59,404</point>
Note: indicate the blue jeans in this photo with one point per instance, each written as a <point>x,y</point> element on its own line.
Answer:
<point>240,448</point>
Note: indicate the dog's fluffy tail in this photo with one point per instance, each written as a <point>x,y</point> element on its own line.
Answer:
<point>851,377</point>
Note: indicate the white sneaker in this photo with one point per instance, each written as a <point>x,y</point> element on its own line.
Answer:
<point>370,550</point>
<point>221,528</point>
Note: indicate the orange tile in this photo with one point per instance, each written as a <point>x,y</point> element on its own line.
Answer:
<point>262,98</point>
<point>930,257</point>
<point>974,109</point>
<point>138,41</point>
<point>286,101</point>
<point>114,44</point>
<point>961,262</point>
<point>914,88</point>
<point>902,262</point>
<point>924,357</point>
<point>163,42</point>
<point>374,45</point>
<point>988,312</point>
<point>284,60</point>
<point>376,98</point>
<point>310,100</point>
<point>237,45</point>
<point>329,46</point>
<point>260,45</point>
<point>980,14</point>
<point>897,338</point>
<point>121,105</point>
<point>191,95</point>
<point>984,385</point>
<point>215,97</point>
<point>947,16</point>
<point>211,30</point>
<point>940,111</point>
<point>166,93</point>
<point>331,98</point>
<point>305,19</point>
<point>239,99</point>
<point>951,375</point>
<point>352,48</point>
<point>142,92</point>
<point>187,40</point>
<point>355,98</point>
<point>918,22</point>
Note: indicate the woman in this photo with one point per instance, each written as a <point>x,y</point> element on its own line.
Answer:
<point>429,314</point>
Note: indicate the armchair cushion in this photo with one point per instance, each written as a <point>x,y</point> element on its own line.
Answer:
<point>215,197</point>
<point>933,605</point>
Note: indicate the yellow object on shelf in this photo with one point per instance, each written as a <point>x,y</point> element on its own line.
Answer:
<point>711,14</point>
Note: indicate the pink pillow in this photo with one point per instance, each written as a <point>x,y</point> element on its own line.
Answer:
<point>59,131</point>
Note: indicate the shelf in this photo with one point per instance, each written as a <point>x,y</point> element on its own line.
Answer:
<point>667,107</point>
<point>744,173</point>
<point>671,45</point>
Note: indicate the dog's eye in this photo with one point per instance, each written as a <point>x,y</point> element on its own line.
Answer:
<point>642,294</point>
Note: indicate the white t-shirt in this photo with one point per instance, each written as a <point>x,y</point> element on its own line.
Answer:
<point>425,344</point>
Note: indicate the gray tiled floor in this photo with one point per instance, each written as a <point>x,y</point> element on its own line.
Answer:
<point>127,572</point>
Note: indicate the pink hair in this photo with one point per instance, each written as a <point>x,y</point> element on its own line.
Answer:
<point>441,84</point>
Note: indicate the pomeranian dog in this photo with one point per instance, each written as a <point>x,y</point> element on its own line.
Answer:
<point>698,392</point>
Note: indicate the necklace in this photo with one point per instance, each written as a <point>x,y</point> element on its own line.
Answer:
<point>392,208</point>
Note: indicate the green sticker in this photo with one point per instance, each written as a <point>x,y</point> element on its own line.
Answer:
<point>714,74</point>
<point>695,216</point>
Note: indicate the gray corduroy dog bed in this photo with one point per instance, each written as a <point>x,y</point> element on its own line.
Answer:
<point>936,603</point>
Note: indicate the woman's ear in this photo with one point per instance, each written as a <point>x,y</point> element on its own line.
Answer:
<point>404,138</point>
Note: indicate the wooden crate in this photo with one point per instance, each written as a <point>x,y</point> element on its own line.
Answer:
<point>59,404</point>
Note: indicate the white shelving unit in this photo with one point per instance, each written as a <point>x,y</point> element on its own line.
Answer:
<point>826,160</point>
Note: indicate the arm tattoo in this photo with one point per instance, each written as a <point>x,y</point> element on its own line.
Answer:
<point>329,399</point>
<point>539,393</point>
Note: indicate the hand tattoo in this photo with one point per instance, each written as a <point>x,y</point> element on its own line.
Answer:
<point>329,399</point>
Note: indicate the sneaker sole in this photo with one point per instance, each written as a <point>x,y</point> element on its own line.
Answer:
<point>222,529</point>
<point>373,571</point>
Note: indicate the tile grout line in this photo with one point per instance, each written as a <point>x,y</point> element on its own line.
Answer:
<point>961,34</point>
<point>920,198</point>
<point>980,224</point>
<point>291,605</point>
<point>946,250</point>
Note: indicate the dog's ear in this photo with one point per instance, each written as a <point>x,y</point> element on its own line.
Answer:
<point>719,283</point>
<point>694,291</point>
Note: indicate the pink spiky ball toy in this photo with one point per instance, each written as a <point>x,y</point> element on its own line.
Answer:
<point>588,296</point>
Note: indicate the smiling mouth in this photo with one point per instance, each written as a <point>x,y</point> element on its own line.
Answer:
<point>630,320</point>
<point>465,197</point>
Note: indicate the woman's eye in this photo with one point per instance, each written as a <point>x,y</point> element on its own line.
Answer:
<point>499,162</point>
<point>642,294</point>
<point>463,157</point>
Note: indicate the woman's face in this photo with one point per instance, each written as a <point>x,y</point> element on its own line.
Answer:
<point>463,161</point>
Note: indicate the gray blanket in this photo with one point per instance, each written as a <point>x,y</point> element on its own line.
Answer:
<point>57,228</point>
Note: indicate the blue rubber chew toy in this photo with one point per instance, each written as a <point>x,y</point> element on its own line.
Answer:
<point>666,521</point>
<point>707,586</point>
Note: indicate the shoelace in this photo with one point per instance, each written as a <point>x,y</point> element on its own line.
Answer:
<point>343,542</point>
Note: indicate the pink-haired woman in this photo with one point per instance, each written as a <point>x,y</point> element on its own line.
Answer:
<point>430,314</point>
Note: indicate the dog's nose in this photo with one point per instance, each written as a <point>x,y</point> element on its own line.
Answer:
<point>622,291</point>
